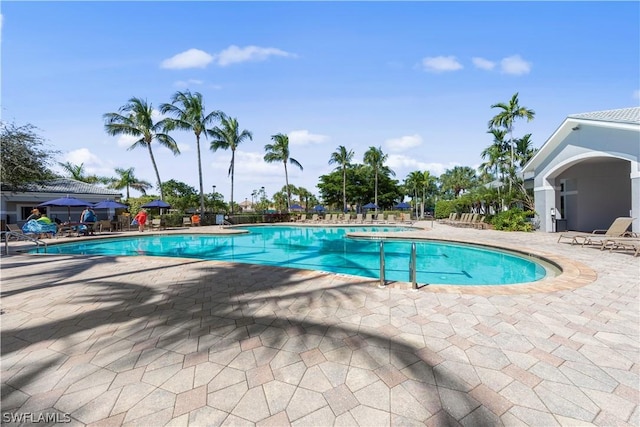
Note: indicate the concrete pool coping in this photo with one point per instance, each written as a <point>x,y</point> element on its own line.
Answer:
<point>573,274</point>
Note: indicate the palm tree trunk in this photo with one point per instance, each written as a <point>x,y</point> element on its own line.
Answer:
<point>286,179</point>
<point>344,189</point>
<point>375,199</point>
<point>155,168</point>
<point>233,157</point>
<point>200,176</point>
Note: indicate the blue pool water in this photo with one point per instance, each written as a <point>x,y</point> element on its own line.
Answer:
<point>329,249</point>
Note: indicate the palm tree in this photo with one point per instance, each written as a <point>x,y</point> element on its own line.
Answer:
<point>279,152</point>
<point>524,150</point>
<point>458,179</point>
<point>413,182</point>
<point>495,154</point>
<point>428,186</point>
<point>342,158</point>
<point>126,179</point>
<point>375,158</point>
<point>506,118</point>
<point>75,171</point>
<point>225,137</point>
<point>189,114</point>
<point>136,119</point>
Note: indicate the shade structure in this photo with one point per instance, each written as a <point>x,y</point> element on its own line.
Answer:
<point>318,208</point>
<point>296,207</point>
<point>69,202</point>
<point>109,204</point>
<point>156,204</point>
<point>370,206</point>
<point>402,205</point>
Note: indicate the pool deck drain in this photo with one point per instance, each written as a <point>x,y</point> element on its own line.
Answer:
<point>162,341</point>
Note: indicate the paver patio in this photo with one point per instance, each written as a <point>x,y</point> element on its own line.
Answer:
<point>160,341</point>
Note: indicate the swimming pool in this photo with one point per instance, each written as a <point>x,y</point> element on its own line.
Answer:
<point>329,249</point>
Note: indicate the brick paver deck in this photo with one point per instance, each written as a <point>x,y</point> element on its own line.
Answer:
<point>160,341</point>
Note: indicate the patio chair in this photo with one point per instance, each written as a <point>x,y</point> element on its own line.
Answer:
<point>358,219</point>
<point>379,218</point>
<point>15,228</point>
<point>104,225</point>
<point>156,224</point>
<point>618,228</point>
<point>391,219</point>
<point>314,218</point>
<point>186,221</point>
<point>624,243</point>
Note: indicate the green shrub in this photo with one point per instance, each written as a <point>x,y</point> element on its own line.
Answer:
<point>444,208</point>
<point>513,220</point>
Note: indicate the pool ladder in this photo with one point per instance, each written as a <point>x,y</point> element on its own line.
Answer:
<point>412,266</point>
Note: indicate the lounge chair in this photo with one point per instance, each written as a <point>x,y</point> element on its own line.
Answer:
<point>103,225</point>
<point>303,218</point>
<point>618,228</point>
<point>314,218</point>
<point>380,218</point>
<point>624,243</point>
<point>358,219</point>
<point>186,221</point>
<point>391,219</point>
<point>15,228</point>
<point>369,218</point>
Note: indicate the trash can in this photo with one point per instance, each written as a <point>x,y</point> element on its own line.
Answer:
<point>561,225</point>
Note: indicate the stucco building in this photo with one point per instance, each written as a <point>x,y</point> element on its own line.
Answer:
<point>588,172</point>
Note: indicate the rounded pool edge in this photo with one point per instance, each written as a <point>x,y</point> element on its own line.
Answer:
<point>573,274</point>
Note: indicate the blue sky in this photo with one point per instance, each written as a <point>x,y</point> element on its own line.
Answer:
<point>414,78</point>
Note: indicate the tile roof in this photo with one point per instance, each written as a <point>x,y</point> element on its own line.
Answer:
<point>68,186</point>
<point>621,115</point>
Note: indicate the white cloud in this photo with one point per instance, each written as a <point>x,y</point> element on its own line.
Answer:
<point>185,148</point>
<point>250,166</point>
<point>483,64</point>
<point>82,156</point>
<point>192,58</point>
<point>126,141</point>
<point>515,65</point>
<point>438,64</point>
<point>402,165</point>
<point>303,137</point>
<point>234,54</point>
<point>636,94</point>
<point>403,143</point>
<point>187,83</point>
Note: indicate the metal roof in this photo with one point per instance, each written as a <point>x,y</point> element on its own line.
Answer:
<point>66,186</point>
<point>621,115</point>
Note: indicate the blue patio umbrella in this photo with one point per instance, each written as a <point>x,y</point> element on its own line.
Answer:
<point>156,204</point>
<point>109,204</point>
<point>370,205</point>
<point>318,208</point>
<point>296,207</point>
<point>69,202</point>
<point>402,205</point>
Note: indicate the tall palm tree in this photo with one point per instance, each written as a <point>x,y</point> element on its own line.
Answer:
<point>75,171</point>
<point>413,182</point>
<point>135,118</point>
<point>189,114</point>
<point>228,137</point>
<point>495,154</point>
<point>524,150</point>
<point>279,152</point>
<point>428,186</point>
<point>375,159</point>
<point>458,179</point>
<point>126,179</point>
<point>506,118</point>
<point>342,157</point>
